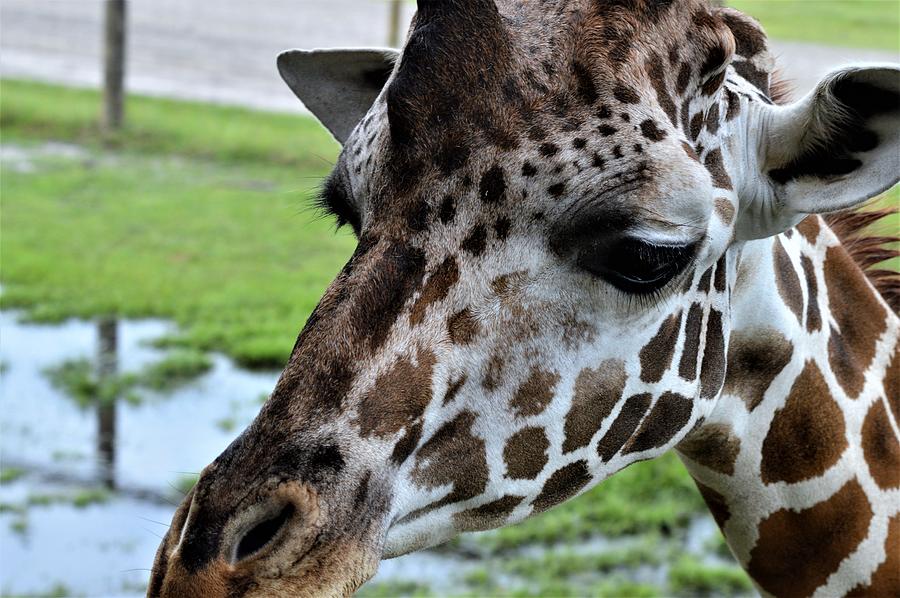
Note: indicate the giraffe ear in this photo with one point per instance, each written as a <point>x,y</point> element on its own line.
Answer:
<point>831,150</point>
<point>337,85</point>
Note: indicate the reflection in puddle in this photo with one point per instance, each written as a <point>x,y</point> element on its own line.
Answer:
<point>58,528</point>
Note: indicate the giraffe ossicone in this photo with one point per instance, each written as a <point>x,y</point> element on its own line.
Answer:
<point>588,234</point>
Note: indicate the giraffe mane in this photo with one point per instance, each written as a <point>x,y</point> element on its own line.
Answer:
<point>853,227</point>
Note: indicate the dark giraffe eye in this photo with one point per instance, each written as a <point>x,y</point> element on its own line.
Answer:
<point>637,267</point>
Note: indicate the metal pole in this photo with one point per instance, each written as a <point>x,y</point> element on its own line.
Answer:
<point>114,65</point>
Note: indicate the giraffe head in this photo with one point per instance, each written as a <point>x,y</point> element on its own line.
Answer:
<point>549,198</point>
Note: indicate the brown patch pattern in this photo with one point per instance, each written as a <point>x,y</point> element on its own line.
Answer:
<point>525,453</point>
<point>716,503</point>
<point>462,327</point>
<point>436,289</point>
<point>453,455</point>
<point>488,515</point>
<point>813,317</point>
<point>712,445</point>
<point>562,485</point>
<point>885,580</point>
<point>656,356</point>
<point>787,280</point>
<point>825,534</point>
<point>533,395</point>
<point>687,367</point>
<point>881,447</point>
<point>624,426</point>
<point>712,370</point>
<point>596,394</point>
<point>670,414</point>
<point>850,351</point>
<point>755,358</point>
<point>807,435</point>
<point>398,397</point>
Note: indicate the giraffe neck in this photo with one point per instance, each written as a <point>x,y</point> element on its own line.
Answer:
<point>800,461</point>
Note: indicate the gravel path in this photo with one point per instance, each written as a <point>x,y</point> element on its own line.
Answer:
<point>224,50</point>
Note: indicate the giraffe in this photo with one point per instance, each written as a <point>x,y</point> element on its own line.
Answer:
<point>587,235</point>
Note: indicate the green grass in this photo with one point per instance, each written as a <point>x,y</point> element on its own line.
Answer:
<point>226,247</point>
<point>853,23</point>
<point>175,370</point>
<point>10,474</point>
<point>690,577</point>
<point>646,497</point>
<point>36,110</point>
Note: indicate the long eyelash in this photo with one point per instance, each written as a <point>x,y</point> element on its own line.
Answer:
<point>642,301</point>
<point>332,199</point>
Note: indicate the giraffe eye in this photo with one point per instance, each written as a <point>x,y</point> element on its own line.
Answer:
<point>637,267</point>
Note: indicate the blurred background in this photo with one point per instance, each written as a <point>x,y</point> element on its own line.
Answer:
<point>159,256</point>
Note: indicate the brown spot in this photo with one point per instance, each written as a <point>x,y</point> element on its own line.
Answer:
<point>813,318</point>
<point>716,503</point>
<point>525,453</point>
<point>439,284</point>
<point>712,369</point>
<point>703,285</point>
<point>807,435</point>
<point>501,227</point>
<point>447,211</point>
<point>716,168</point>
<point>687,367</point>
<point>825,534</point>
<point>880,447</point>
<point>657,73</point>
<point>596,394</point>
<point>885,581</point>
<point>809,228</point>
<point>398,396</point>
<point>493,372</point>
<point>670,414</point>
<point>533,396</point>
<point>724,210</point>
<point>712,445</point>
<point>860,318</point>
<point>755,358</point>
<point>689,151</point>
<point>476,241</point>
<point>453,390</point>
<point>719,283</point>
<point>562,485</point>
<point>607,130</point>
<point>651,131</point>
<point>624,426</point>
<point>453,455</point>
<point>407,443</point>
<point>787,280</point>
<point>712,119</point>
<point>492,187</point>
<point>684,77</point>
<point>626,94</point>
<point>488,515</point>
<point>734,105</point>
<point>696,126</point>
<point>656,356</point>
<point>462,327</point>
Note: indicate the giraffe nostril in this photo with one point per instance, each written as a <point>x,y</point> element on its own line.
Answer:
<point>261,534</point>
